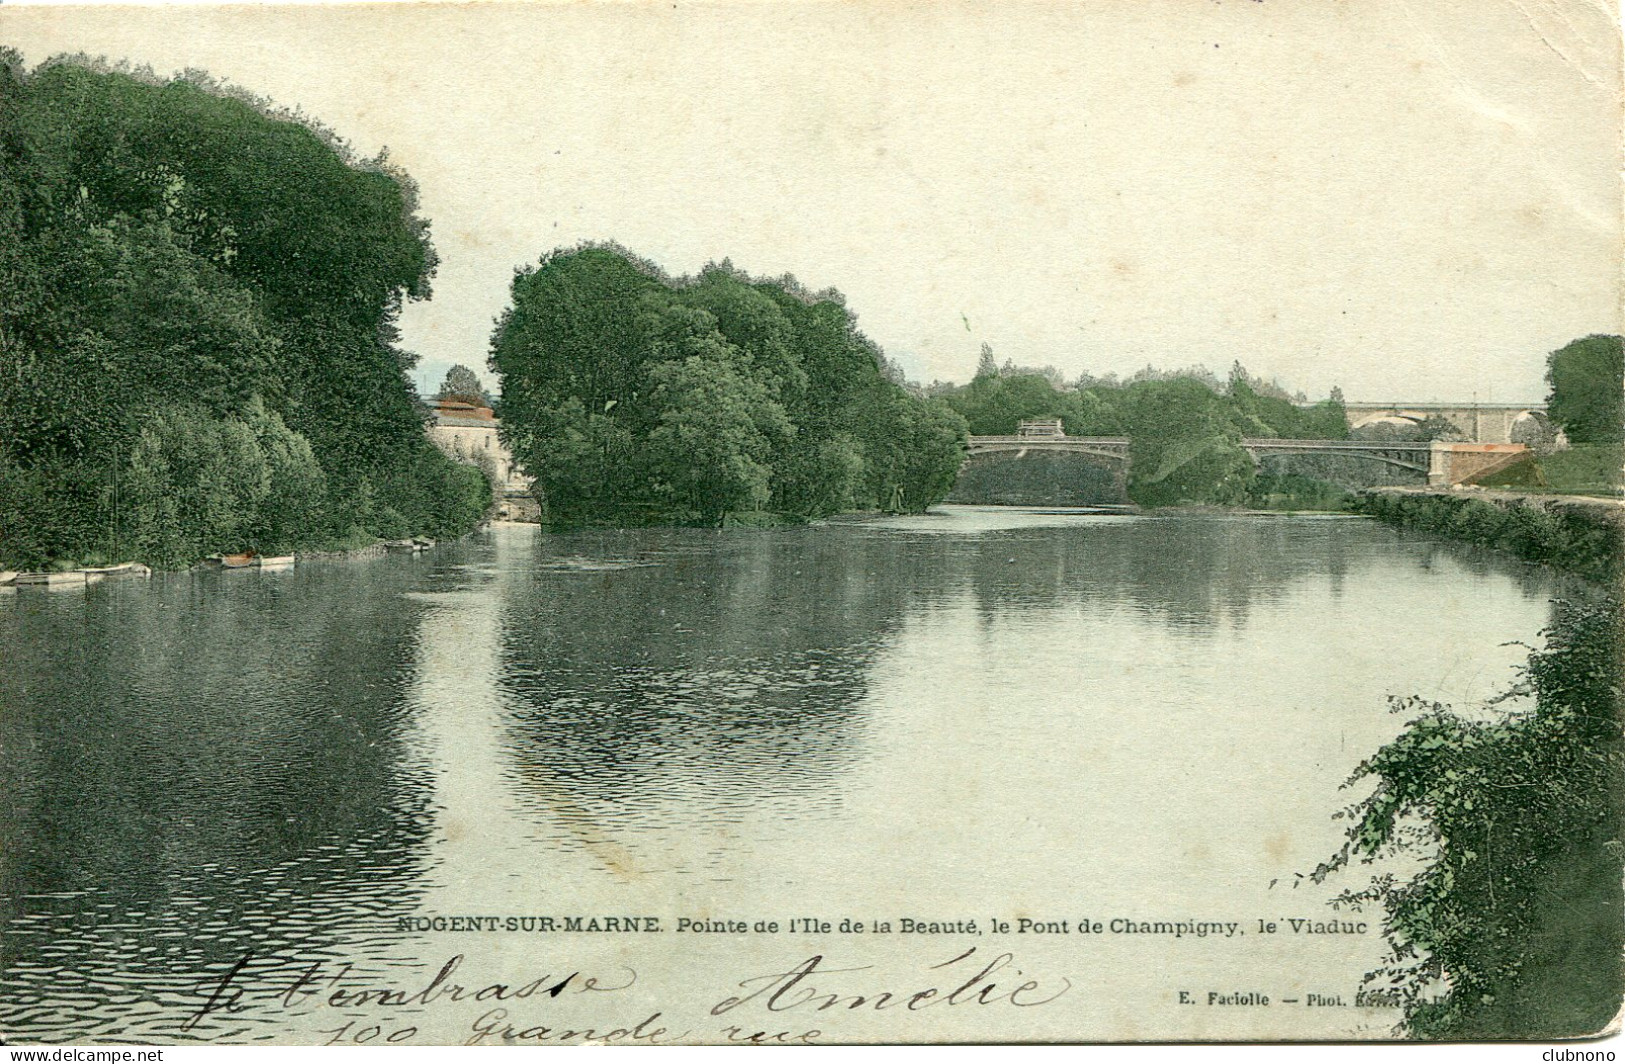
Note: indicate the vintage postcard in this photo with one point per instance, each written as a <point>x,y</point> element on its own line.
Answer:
<point>810,522</point>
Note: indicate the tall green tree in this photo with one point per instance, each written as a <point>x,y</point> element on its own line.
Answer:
<point>463,385</point>
<point>917,459</point>
<point>634,398</point>
<point>986,365</point>
<point>716,435</point>
<point>754,324</point>
<point>170,246</point>
<point>1587,378</point>
<point>1183,445</point>
<point>581,326</point>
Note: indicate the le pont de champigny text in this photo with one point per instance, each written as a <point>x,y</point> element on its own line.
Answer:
<point>814,925</point>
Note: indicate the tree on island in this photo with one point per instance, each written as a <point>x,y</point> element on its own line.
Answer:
<point>634,398</point>
<point>719,428</point>
<point>1184,445</point>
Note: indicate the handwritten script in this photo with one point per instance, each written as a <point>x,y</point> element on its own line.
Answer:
<point>780,1006</point>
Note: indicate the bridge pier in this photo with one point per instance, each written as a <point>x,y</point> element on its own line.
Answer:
<point>1450,464</point>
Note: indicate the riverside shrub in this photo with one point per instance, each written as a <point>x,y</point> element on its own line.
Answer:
<point>1570,537</point>
<point>1511,929</point>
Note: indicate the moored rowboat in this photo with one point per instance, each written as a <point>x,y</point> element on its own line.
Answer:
<point>124,569</point>
<point>72,576</point>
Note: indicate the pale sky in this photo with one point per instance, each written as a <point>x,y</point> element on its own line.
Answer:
<point>1413,199</point>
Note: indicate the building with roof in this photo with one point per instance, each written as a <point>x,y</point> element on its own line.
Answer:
<point>468,433</point>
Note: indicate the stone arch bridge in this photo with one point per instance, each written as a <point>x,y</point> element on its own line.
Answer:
<point>1483,422</point>
<point>1442,463</point>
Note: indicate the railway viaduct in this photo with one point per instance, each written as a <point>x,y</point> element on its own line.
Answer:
<point>1477,422</point>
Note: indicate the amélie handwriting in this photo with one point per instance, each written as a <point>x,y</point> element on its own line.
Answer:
<point>966,980</point>
<point>509,1014</point>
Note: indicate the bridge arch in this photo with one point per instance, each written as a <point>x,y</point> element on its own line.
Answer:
<point>1379,417</point>
<point>1536,430</point>
<point>1369,455</point>
<point>1053,470</point>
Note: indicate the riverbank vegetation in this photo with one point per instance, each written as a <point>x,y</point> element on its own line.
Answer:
<point>1583,469</point>
<point>1512,928</point>
<point>1579,538</point>
<point>1294,492</point>
<point>198,297</point>
<point>634,398</point>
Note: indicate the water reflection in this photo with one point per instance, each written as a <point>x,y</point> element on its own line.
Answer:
<point>196,769</point>
<point>949,713</point>
<point>702,677</point>
<point>669,695</point>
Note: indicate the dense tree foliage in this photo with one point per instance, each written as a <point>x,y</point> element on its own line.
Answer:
<point>1183,445</point>
<point>1587,377</point>
<point>633,398</point>
<point>198,294</point>
<point>1511,928</point>
<point>1185,429</point>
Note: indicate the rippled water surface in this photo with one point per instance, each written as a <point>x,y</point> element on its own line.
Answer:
<point>977,713</point>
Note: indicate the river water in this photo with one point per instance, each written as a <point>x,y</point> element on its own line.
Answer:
<point>980,714</point>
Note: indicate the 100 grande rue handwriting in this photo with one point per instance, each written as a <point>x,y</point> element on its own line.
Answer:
<point>809,987</point>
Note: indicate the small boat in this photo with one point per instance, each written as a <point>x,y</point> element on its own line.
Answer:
<point>245,560</point>
<point>282,561</point>
<point>72,576</point>
<point>406,546</point>
<point>8,577</point>
<point>124,569</point>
